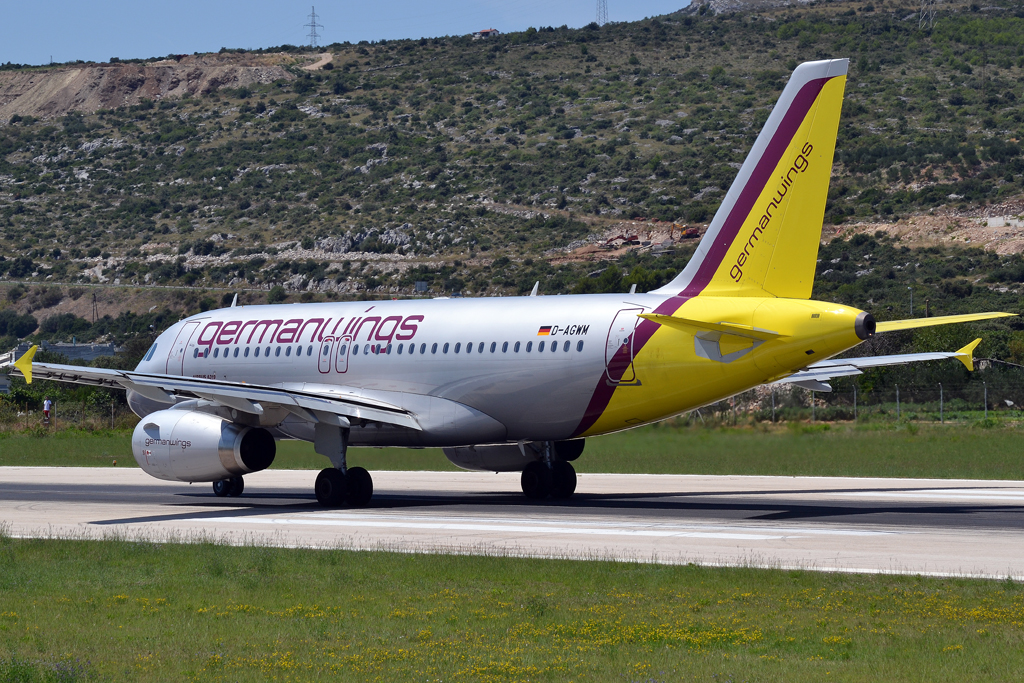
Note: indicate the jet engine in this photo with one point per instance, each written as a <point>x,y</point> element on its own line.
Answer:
<point>508,457</point>
<point>186,445</point>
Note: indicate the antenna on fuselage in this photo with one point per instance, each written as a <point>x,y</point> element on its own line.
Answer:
<point>536,286</point>
<point>234,302</point>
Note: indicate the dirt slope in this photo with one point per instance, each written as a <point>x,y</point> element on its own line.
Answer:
<point>54,92</point>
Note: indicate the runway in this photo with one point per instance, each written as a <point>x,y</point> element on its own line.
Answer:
<point>919,526</point>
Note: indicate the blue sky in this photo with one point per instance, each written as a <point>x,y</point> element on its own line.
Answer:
<point>30,33</point>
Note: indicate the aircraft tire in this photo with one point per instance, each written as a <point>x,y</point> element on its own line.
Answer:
<point>360,487</point>
<point>331,487</point>
<point>563,480</point>
<point>536,481</point>
<point>237,486</point>
<point>222,488</point>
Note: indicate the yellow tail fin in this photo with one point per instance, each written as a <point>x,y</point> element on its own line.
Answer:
<point>763,241</point>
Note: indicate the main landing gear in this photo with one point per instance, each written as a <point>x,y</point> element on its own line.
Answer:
<point>339,485</point>
<point>335,487</point>
<point>552,476</point>
<point>229,487</point>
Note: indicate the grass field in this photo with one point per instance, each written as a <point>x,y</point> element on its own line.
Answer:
<point>135,611</point>
<point>904,450</point>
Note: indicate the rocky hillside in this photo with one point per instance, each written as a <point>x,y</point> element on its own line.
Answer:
<point>86,88</point>
<point>480,167</point>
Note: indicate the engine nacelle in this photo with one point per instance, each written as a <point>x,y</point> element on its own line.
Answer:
<point>185,445</point>
<point>507,457</point>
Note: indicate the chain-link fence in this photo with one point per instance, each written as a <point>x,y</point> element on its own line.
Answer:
<point>932,402</point>
<point>86,416</point>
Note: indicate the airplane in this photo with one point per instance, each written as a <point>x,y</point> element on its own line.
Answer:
<point>517,384</point>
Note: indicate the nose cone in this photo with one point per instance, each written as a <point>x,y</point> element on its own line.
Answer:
<point>864,326</point>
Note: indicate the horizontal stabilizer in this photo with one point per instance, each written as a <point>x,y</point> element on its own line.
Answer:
<point>847,367</point>
<point>893,325</point>
<point>735,329</point>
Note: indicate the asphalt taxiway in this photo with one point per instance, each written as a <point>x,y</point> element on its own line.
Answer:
<point>920,526</point>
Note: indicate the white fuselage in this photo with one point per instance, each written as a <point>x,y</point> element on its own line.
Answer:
<point>491,356</point>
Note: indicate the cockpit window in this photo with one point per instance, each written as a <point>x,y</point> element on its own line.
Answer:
<point>149,354</point>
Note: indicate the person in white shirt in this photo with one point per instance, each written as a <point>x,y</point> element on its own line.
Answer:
<point>47,404</point>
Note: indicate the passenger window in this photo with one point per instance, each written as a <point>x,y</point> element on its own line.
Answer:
<point>529,346</point>
<point>579,345</point>
<point>423,349</point>
<point>504,347</point>
<point>566,346</point>
<point>445,349</point>
<point>516,347</point>
<point>266,352</point>
<point>257,354</point>
<point>342,350</point>
<point>287,351</point>
<point>206,353</point>
<point>195,354</point>
<point>389,349</point>
<point>216,352</point>
<point>366,349</point>
<point>309,350</point>
<point>480,349</point>
<point>400,349</point>
<point>277,351</point>
<point>540,347</point>
<point>433,349</point>
<point>494,345</point>
<point>235,354</point>
<point>355,349</point>
<point>458,346</point>
<point>469,347</point>
<point>554,346</point>
<point>327,351</point>
<point>246,354</point>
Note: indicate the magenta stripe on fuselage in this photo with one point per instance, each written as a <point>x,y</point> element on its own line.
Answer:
<point>766,165</point>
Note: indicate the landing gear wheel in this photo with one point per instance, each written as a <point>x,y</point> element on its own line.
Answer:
<point>360,487</point>
<point>563,480</point>
<point>331,487</point>
<point>229,487</point>
<point>536,481</point>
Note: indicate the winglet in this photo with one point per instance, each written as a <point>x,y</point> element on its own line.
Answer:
<point>966,354</point>
<point>24,364</point>
<point>234,302</point>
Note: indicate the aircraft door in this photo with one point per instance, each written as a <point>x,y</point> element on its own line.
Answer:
<point>176,356</point>
<point>326,353</point>
<point>344,347</point>
<point>618,350</point>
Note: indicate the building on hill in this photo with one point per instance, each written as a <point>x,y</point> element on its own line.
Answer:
<point>486,33</point>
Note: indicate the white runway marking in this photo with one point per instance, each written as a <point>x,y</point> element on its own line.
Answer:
<point>539,527</point>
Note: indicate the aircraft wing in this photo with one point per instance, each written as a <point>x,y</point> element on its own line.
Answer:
<point>814,377</point>
<point>335,407</point>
